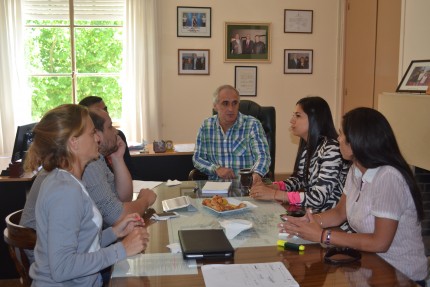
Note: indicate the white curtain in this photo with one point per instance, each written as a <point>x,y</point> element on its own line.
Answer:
<point>15,101</point>
<point>140,106</point>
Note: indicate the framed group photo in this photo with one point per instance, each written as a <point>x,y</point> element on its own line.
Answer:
<point>298,21</point>
<point>299,61</point>
<point>417,77</point>
<point>193,62</point>
<point>247,42</point>
<point>245,80</point>
<point>194,21</point>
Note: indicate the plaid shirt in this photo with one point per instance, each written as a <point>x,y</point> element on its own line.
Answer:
<point>240,147</point>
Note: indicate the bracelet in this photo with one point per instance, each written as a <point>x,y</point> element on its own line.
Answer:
<point>321,223</point>
<point>322,235</point>
<point>327,238</point>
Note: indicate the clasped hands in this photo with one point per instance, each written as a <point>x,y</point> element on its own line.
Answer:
<point>305,227</point>
<point>134,233</point>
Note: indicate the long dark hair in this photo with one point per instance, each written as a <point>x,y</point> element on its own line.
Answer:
<point>373,144</point>
<point>320,125</point>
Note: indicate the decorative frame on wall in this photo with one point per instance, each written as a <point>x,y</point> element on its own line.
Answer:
<point>298,21</point>
<point>194,21</point>
<point>247,42</point>
<point>298,61</point>
<point>245,80</point>
<point>417,77</point>
<point>193,61</point>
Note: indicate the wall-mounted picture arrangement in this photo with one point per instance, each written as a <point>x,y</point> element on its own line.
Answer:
<point>298,21</point>
<point>417,77</point>
<point>194,21</point>
<point>299,61</point>
<point>193,62</point>
<point>245,80</point>
<point>247,42</point>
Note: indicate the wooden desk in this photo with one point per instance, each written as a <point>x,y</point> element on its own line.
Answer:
<point>308,269</point>
<point>162,166</point>
<point>13,194</point>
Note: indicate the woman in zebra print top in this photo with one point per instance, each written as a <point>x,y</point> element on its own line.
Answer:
<point>319,170</point>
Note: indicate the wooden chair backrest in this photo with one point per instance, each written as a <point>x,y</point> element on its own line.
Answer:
<point>19,238</point>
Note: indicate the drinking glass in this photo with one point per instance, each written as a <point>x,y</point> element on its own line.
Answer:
<point>246,179</point>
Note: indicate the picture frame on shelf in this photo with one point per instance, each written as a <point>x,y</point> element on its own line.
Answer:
<point>298,21</point>
<point>417,77</point>
<point>298,61</point>
<point>194,21</point>
<point>247,42</point>
<point>193,61</point>
<point>245,80</point>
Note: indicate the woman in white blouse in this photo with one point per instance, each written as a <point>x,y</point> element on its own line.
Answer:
<point>381,199</point>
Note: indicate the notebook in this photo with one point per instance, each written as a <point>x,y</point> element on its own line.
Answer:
<point>216,187</point>
<point>181,202</point>
<point>205,244</point>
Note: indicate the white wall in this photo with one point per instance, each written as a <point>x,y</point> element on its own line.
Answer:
<point>415,40</point>
<point>186,99</point>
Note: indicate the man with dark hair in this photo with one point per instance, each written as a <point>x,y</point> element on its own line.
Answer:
<point>97,102</point>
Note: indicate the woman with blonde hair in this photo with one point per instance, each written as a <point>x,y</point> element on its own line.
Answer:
<point>71,247</point>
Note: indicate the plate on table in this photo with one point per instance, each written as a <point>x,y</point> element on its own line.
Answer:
<point>228,205</point>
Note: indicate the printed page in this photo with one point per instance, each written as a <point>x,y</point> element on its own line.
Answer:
<point>249,275</point>
<point>155,264</point>
<point>139,184</point>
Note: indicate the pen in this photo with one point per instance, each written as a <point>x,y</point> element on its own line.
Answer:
<point>292,246</point>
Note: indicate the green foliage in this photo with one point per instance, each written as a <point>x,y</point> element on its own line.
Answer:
<point>98,63</point>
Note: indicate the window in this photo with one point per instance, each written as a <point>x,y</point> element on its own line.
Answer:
<point>74,50</point>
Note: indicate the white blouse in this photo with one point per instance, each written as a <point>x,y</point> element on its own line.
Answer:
<point>382,192</point>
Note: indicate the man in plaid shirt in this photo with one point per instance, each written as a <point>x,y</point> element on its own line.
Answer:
<point>230,140</point>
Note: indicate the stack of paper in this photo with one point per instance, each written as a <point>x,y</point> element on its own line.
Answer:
<point>184,147</point>
<point>216,187</point>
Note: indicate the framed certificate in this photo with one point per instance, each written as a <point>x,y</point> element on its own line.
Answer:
<point>298,21</point>
<point>245,80</point>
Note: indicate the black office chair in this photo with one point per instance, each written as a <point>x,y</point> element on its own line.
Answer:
<point>267,117</point>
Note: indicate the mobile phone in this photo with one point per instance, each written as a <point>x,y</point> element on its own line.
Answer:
<point>294,213</point>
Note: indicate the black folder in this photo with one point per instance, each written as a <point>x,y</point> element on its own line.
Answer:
<point>205,244</point>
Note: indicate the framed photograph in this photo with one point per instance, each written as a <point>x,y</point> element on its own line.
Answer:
<point>247,42</point>
<point>417,77</point>
<point>299,61</point>
<point>194,22</point>
<point>193,62</point>
<point>298,21</point>
<point>245,80</point>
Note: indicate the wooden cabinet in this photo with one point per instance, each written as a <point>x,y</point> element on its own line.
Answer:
<point>372,37</point>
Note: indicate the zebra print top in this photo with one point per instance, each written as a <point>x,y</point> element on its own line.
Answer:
<point>327,175</point>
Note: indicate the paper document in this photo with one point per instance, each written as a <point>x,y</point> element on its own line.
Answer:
<point>154,264</point>
<point>139,184</point>
<point>249,275</point>
<point>216,187</point>
<point>184,147</point>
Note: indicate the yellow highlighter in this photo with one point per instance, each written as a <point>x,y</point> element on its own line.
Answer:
<point>292,246</point>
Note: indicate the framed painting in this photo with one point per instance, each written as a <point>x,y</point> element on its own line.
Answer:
<point>299,61</point>
<point>247,42</point>
<point>194,21</point>
<point>193,62</point>
<point>417,77</point>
